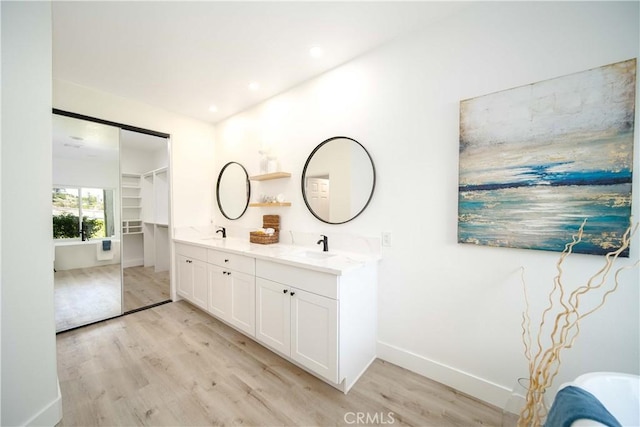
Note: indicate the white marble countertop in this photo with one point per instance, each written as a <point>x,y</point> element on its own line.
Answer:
<point>332,262</point>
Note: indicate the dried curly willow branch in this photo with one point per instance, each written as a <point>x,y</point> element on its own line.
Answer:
<point>545,363</point>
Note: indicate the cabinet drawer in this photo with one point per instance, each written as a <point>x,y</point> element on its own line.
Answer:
<point>190,251</point>
<point>231,261</point>
<point>324,284</point>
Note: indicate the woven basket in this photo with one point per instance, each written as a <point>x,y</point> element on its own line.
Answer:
<point>268,221</point>
<point>271,221</point>
<point>264,239</point>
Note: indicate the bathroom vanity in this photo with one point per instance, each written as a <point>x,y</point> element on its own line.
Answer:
<point>315,309</point>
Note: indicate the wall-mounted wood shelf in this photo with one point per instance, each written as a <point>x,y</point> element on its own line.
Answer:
<point>268,176</point>
<point>267,205</point>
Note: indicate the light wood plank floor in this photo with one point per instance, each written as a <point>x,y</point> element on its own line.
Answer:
<point>174,365</point>
<point>143,287</point>
<point>84,295</point>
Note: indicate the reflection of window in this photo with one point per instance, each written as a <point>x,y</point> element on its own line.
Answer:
<point>81,212</point>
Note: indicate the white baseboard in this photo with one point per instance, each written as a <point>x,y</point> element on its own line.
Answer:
<point>347,387</point>
<point>50,415</point>
<point>479,388</point>
<point>132,262</point>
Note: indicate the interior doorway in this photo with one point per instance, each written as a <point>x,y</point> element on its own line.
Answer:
<point>111,219</point>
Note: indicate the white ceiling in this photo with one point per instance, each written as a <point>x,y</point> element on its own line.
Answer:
<point>185,56</point>
<point>85,140</point>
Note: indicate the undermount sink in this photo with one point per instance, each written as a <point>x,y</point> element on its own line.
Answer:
<point>212,238</point>
<point>315,255</point>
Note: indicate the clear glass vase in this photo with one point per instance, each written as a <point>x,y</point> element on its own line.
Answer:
<point>516,403</point>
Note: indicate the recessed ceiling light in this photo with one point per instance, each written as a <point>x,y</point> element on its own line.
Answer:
<point>316,52</point>
<point>213,108</point>
<point>72,145</point>
<point>254,86</point>
<point>77,138</point>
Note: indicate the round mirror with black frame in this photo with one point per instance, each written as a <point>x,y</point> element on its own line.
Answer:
<point>338,180</point>
<point>233,190</point>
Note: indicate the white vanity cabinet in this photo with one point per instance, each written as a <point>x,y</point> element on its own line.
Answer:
<point>192,274</point>
<point>300,325</point>
<point>231,281</point>
<point>323,322</point>
<point>322,316</point>
<point>273,315</point>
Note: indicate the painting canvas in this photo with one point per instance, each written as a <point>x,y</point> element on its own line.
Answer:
<point>537,160</point>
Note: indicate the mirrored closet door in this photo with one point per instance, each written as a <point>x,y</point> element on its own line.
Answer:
<point>144,161</point>
<point>111,218</point>
<point>86,222</point>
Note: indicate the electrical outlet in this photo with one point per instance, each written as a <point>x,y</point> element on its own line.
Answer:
<point>386,238</point>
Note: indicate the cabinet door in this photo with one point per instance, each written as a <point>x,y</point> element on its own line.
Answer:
<point>243,301</point>
<point>273,319</point>
<point>185,276</point>
<point>314,333</point>
<point>200,284</point>
<point>219,293</point>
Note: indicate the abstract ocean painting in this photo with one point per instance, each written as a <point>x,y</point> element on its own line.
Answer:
<point>536,160</point>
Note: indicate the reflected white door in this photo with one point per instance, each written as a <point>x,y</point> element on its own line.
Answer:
<point>318,196</point>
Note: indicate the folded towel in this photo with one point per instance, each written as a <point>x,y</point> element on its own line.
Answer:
<point>573,403</point>
<point>103,254</point>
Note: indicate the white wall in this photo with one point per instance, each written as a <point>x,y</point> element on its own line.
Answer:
<point>160,158</point>
<point>135,161</point>
<point>446,310</point>
<point>191,144</point>
<point>142,161</point>
<point>30,393</point>
<point>86,173</point>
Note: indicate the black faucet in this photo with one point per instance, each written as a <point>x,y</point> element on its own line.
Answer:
<point>84,231</point>
<point>325,243</point>
<point>224,232</point>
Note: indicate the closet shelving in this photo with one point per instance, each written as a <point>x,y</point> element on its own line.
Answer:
<point>155,218</point>
<point>145,212</point>
<point>131,204</point>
